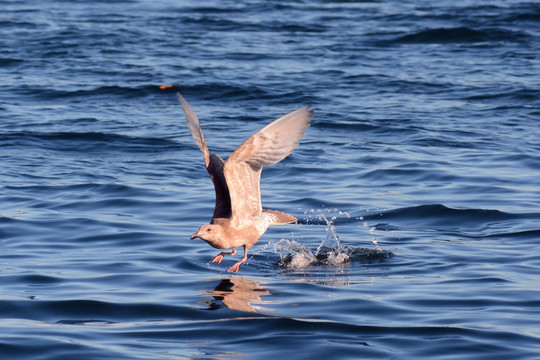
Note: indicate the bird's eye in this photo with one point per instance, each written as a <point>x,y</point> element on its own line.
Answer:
<point>208,229</point>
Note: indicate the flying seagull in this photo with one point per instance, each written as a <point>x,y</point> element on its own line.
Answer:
<point>239,218</point>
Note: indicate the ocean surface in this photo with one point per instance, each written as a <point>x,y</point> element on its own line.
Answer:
<point>417,187</point>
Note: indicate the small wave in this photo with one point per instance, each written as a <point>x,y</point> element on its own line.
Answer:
<point>208,9</point>
<point>460,35</point>
<point>55,93</point>
<point>512,95</point>
<point>464,223</point>
<point>84,141</point>
<point>530,12</point>
<point>79,188</point>
<point>345,125</point>
<point>116,90</point>
<point>447,215</point>
<point>101,311</point>
<point>18,24</point>
<point>9,62</point>
<point>209,21</point>
<point>226,91</point>
<point>35,279</point>
<point>300,28</point>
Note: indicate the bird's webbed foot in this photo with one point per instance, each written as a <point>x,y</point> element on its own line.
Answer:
<point>236,266</point>
<point>219,257</point>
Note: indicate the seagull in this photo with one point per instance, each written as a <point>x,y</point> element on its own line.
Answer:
<point>239,218</point>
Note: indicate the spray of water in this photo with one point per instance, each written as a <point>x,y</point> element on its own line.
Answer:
<point>330,251</point>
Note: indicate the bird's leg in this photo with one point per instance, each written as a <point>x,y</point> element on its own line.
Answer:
<point>236,266</point>
<point>219,257</point>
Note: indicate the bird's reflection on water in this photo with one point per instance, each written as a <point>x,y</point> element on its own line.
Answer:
<point>237,293</point>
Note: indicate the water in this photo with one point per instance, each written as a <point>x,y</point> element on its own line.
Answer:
<point>416,185</point>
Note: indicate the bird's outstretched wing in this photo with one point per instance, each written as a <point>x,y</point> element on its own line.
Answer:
<point>214,163</point>
<point>268,146</point>
<point>195,128</point>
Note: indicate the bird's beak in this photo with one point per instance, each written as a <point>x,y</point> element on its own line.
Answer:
<point>194,236</point>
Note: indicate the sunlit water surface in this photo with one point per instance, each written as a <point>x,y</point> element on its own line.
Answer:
<point>416,187</point>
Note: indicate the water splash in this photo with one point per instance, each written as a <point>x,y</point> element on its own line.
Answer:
<point>293,254</point>
<point>331,238</point>
<point>330,251</point>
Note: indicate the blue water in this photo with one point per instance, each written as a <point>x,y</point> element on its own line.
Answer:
<point>417,187</point>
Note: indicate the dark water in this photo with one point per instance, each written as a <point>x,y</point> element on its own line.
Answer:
<point>423,159</point>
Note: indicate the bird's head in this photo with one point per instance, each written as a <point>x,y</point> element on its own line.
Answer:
<point>209,233</point>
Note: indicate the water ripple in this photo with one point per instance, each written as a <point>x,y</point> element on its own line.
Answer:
<point>416,185</point>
